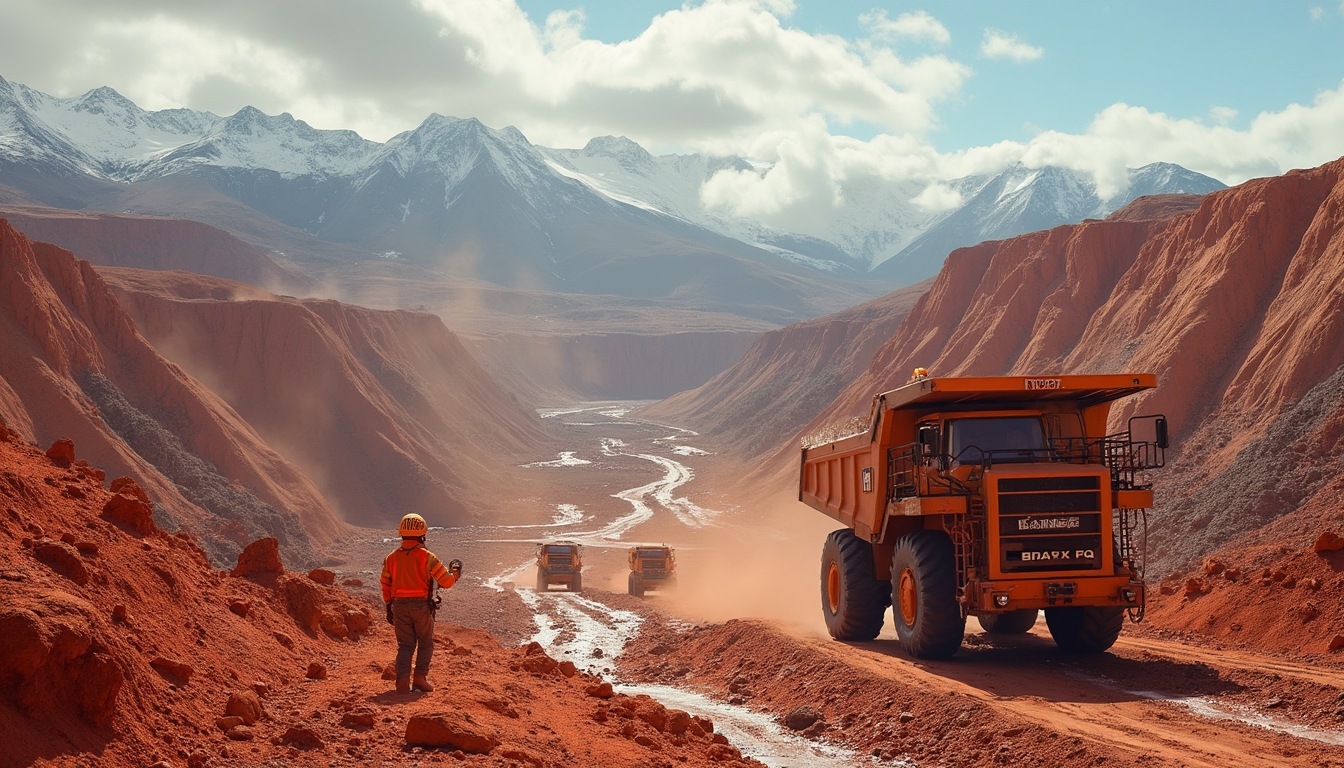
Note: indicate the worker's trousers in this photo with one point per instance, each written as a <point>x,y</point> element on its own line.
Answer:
<point>414,625</point>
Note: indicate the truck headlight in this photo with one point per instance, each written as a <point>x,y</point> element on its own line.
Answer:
<point>1001,599</point>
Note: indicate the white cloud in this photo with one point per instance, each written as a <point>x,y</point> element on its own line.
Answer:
<point>1222,115</point>
<point>918,25</point>
<point>1003,45</point>
<point>938,197</point>
<point>1316,12</point>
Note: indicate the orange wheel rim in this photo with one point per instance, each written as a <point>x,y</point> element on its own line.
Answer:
<point>833,588</point>
<point>908,597</point>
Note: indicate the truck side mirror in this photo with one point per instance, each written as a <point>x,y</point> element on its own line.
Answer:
<point>1160,426</point>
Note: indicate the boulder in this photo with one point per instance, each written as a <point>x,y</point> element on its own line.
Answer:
<point>131,510</point>
<point>304,599</point>
<point>1337,643</point>
<point>352,583</point>
<point>259,558</point>
<point>568,669</point>
<point>63,558</point>
<point>802,718</point>
<point>172,667</point>
<point>449,730</point>
<point>1328,541</point>
<point>322,576</point>
<point>360,718</point>
<point>1213,566</point>
<point>678,721</point>
<point>62,453</point>
<point>316,671</point>
<point>601,691</point>
<point>245,704</point>
<point>303,738</point>
<point>127,486</point>
<point>1194,588</point>
<point>240,607</point>
<point>52,657</point>
<point>228,722</point>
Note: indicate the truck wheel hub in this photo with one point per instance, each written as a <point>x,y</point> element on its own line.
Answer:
<point>908,597</point>
<point>833,588</point>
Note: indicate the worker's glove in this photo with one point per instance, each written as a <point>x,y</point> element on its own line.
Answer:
<point>455,567</point>
<point>389,613</point>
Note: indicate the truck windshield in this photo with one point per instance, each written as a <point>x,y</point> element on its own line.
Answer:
<point>1013,438</point>
<point>556,550</point>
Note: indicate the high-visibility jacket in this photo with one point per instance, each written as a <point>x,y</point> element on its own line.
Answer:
<point>407,571</point>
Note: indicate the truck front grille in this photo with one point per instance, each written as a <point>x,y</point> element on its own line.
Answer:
<point>1049,524</point>
<point>560,559</point>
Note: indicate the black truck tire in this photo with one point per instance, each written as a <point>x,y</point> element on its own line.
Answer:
<point>636,585</point>
<point>1010,623</point>
<point>929,624</point>
<point>853,601</point>
<point>541,579</point>
<point>576,585</point>
<point>1085,628</point>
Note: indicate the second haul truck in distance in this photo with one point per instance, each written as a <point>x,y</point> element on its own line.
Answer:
<point>993,497</point>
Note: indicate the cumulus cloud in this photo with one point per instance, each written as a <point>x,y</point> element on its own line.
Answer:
<point>913,26</point>
<point>1316,12</point>
<point>938,197</point>
<point>1003,45</point>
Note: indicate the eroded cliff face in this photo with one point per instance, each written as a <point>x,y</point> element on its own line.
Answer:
<point>151,242</point>
<point>73,365</point>
<point>385,410</point>
<point>1237,306</point>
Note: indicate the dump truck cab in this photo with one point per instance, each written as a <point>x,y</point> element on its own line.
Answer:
<point>559,563</point>
<point>992,497</point>
<point>651,568</point>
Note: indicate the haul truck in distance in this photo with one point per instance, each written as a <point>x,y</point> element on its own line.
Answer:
<point>559,563</point>
<point>991,497</point>
<point>652,568</point>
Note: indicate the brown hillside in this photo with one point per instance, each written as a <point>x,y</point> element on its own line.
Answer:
<point>73,365</point>
<point>151,242</point>
<point>1236,306</point>
<point>121,647</point>
<point>385,410</point>
<point>787,376</point>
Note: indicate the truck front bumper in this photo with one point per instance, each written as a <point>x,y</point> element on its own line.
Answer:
<point>1017,594</point>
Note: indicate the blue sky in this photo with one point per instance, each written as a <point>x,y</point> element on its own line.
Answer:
<point>1181,58</point>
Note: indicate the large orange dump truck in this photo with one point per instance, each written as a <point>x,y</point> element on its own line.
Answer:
<point>992,497</point>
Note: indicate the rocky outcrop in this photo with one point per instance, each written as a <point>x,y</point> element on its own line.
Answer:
<point>73,365</point>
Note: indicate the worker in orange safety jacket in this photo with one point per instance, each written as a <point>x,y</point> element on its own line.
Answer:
<point>407,576</point>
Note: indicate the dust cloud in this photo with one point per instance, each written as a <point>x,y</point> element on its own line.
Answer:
<point>764,566</point>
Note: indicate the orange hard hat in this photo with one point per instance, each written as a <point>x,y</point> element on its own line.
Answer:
<point>411,526</point>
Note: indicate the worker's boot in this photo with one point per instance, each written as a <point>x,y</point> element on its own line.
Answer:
<point>403,684</point>
<point>422,684</point>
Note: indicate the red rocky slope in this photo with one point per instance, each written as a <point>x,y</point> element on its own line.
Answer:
<point>385,410</point>
<point>151,242</point>
<point>121,646</point>
<point>1236,306</point>
<point>72,364</point>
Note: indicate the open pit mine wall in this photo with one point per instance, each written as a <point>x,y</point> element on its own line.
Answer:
<point>787,376</point>
<point>385,410</point>
<point>147,242</point>
<point>616,366</point>
<point>73,365</point>
<point>1237,306</point>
